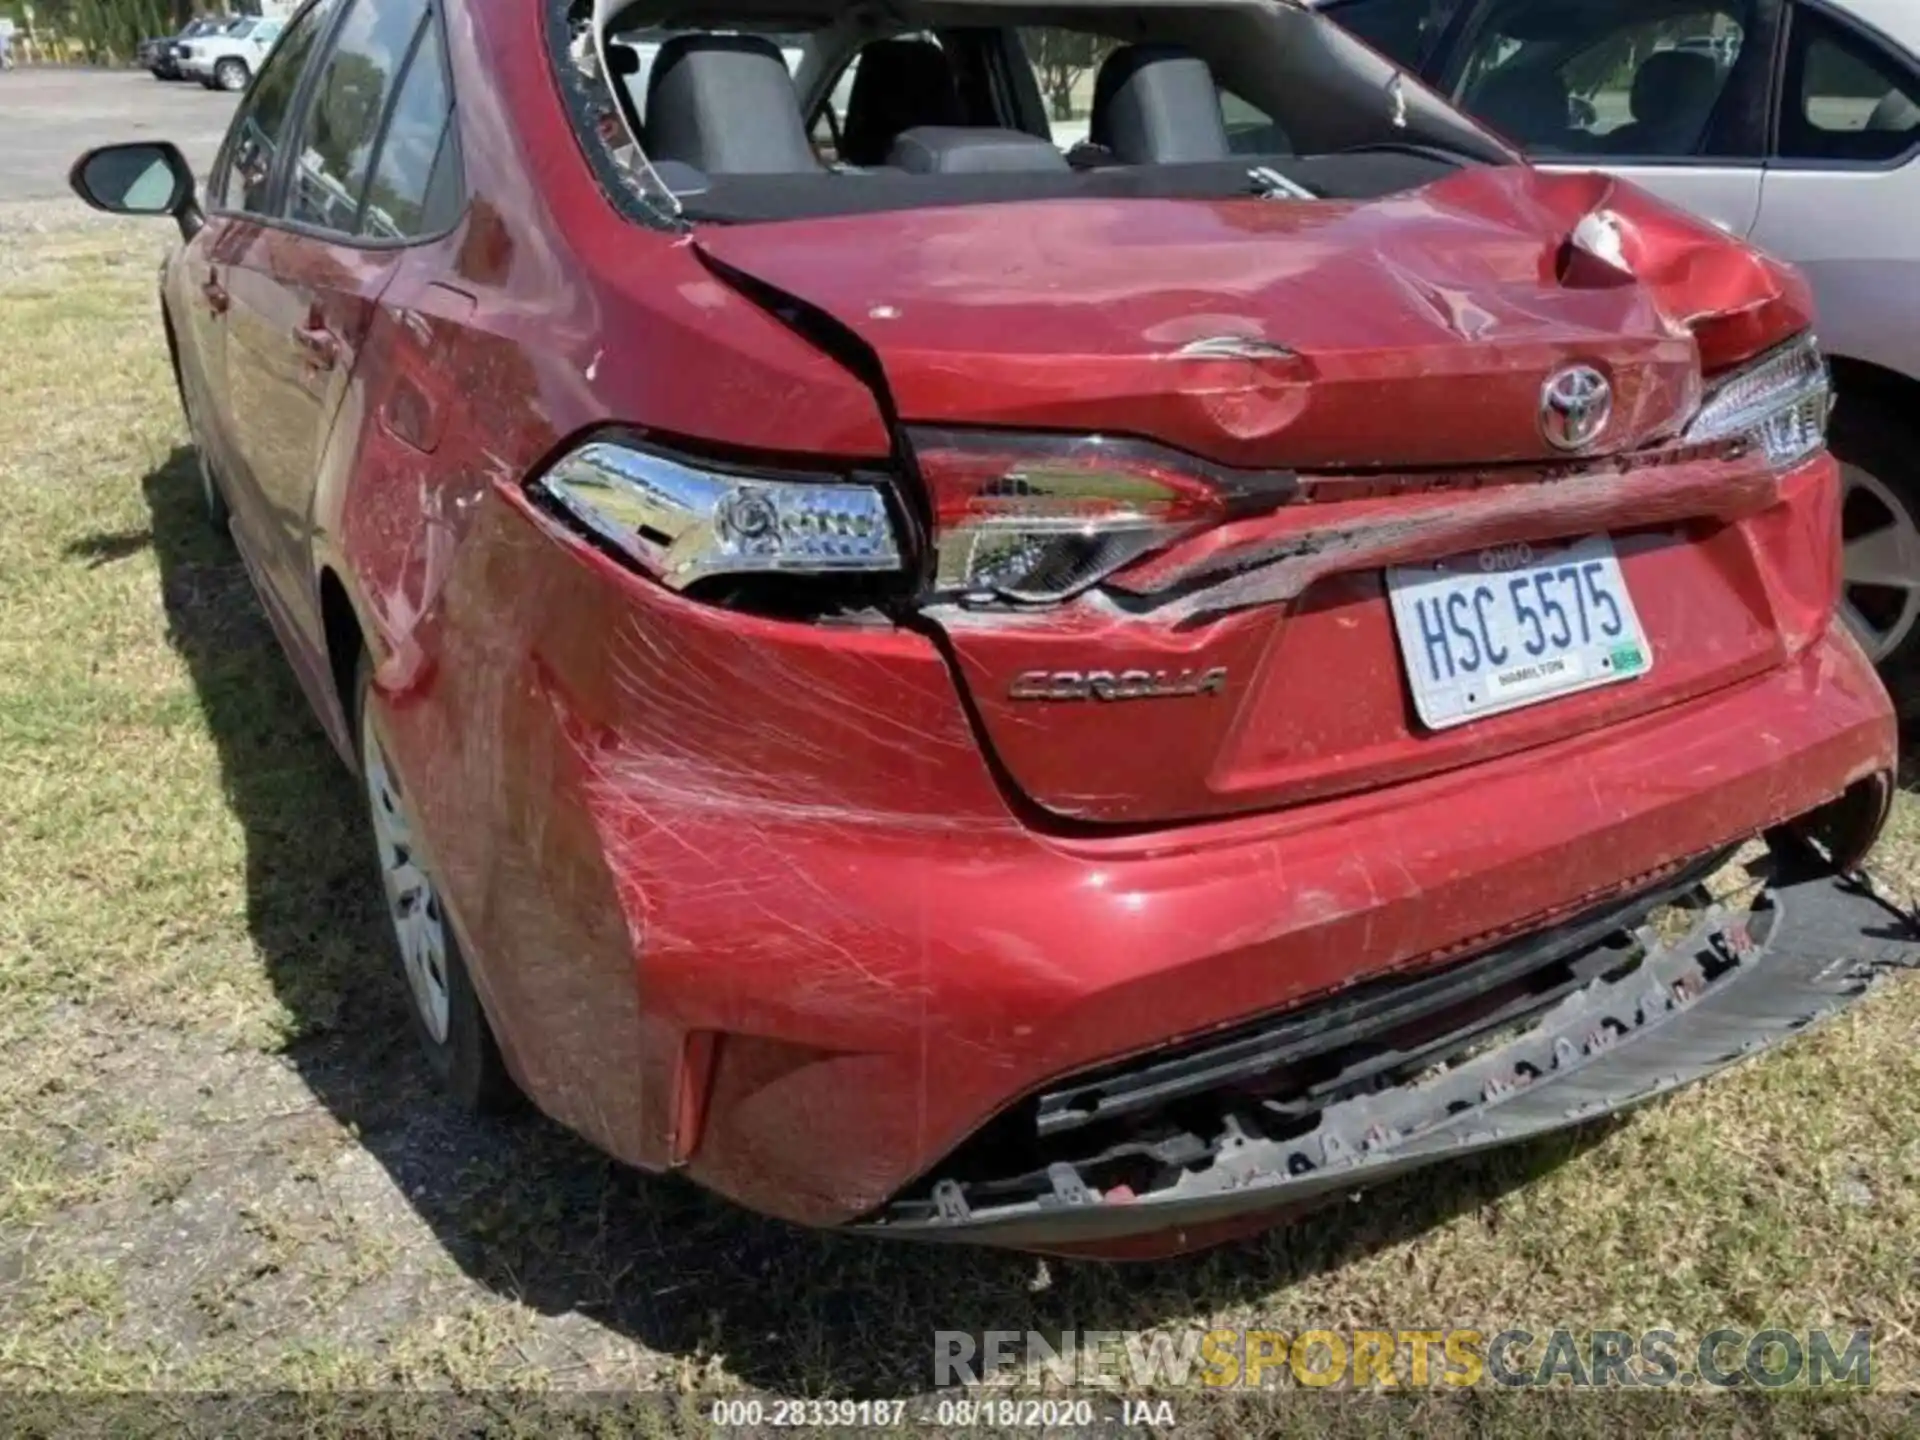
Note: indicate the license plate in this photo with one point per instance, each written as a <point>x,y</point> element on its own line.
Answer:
<point>1494,630</point>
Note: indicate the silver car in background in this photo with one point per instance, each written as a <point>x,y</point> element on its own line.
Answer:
<point>228,58</point>
<point>1795,123</point>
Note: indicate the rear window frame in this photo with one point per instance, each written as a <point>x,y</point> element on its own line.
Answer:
<point>1742,118</point>
<point>1854,28</point>
<point>589,97</point>
<point>584,110</point>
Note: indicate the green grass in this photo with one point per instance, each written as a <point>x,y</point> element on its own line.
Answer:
<point>222,1165</point>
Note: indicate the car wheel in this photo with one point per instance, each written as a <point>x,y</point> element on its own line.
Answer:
<point>1880,530</point>
<point>447,1016</point>
<point>230,75</point>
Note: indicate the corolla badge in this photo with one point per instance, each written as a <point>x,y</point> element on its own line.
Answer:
<point>1575,405</point>
<point>1055,685</point>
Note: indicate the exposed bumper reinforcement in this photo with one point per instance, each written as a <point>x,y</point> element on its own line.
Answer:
<point>1742,980</point>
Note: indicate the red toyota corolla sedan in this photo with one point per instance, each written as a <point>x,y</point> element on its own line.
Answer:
<point>1072,683</point>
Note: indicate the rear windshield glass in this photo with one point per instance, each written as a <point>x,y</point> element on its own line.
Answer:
<point>960,101</point>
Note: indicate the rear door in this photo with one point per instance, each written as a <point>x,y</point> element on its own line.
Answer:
<point>241,200</point>
<point>1843,188</point>
<point>305,287</point>
<point>1671,94</point>
<point>1842,181</point>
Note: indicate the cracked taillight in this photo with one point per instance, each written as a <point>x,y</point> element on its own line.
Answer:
<point>682,521</point>
<point>1780,401</point>
<point>1036,519</point>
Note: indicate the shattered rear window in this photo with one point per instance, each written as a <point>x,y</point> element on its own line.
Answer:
<point>965,103</point>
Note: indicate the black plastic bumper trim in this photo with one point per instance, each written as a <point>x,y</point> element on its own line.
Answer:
<point>1371,1010</point>
<point>1740,982</point>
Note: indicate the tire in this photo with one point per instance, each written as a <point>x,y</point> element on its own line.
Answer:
<point>231,74</point>
<point>1880,529</point>
<point>447,1015</point>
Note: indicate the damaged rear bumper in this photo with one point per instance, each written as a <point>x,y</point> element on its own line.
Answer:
<point>1744,978</point>
<point>710,944</point>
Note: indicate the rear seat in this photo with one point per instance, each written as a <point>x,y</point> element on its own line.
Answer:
<point>971,150</point>
<point>725,105</point>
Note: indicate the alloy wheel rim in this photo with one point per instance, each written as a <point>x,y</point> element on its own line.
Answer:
<point>1880,591</point>
<point>413,904</point>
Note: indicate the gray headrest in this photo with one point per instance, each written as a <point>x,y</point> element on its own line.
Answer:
<point>1527,105</point>
<point>1896,113</point>
<point>967,150</point>
<point>900,84</point>
<point>725,104</point>
<point>1675,89</point>
<point>1158,104</point>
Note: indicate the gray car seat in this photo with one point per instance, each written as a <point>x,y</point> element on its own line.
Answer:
<point>1674,92</point>
<point>1158,105</point>
<point>900,84</point>
<point>725,104</point>
<point>1530,106</point>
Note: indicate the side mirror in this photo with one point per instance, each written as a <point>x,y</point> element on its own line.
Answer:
<point>145,177</point>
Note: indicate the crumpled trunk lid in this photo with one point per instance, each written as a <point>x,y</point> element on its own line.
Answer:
<point>1393,354</point>
<point>1414,329</point>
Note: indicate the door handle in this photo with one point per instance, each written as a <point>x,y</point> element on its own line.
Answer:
<point>216,293</point>
<point>322,348</point>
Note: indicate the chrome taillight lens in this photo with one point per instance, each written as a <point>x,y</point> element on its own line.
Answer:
<point>1037,519</point>
<point>1781,401</point>
<point>682,522</point>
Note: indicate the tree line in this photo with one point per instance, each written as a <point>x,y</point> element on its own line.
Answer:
<point>99,32</point>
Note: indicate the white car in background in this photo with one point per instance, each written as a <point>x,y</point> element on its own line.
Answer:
<point>228,59</point>
<point>1794,123</point>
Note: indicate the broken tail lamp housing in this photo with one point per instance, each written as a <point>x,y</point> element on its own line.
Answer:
<point>1039,519</point>
<point>1781,402</point>
<point>681,521</point>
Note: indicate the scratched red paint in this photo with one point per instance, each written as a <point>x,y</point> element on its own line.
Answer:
<point>799,907</point>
